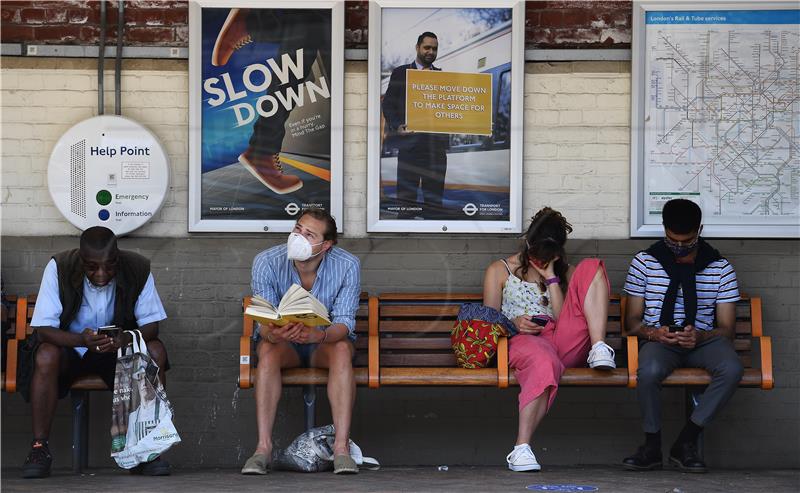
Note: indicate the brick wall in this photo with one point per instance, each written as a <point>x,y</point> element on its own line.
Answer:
<point>147,22</point>
<point>562,24</point>
<point>575,152</point>
<point>578,24</point>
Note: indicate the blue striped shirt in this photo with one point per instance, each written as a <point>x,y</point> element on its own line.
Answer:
<point>337,285</point>
<point>715,284</point>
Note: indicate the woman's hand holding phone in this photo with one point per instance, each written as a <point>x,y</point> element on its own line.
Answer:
<point>526,325</point>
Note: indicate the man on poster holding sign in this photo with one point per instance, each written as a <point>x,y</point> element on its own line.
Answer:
<point>422,157</point>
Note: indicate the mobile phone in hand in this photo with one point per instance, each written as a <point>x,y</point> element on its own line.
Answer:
<point>111,331</point>
<point>540,320</point>
<point>675,328</point>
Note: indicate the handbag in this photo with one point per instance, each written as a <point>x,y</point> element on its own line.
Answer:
<point>312,451</point>
<point>141,415</point>
<point>476,332</point>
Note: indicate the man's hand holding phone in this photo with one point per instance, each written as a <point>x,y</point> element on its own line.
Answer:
<point>687,338</point>
<point>664,335</point>
<point>97,342</point>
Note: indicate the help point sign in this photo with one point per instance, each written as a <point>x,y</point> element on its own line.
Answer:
<point>108,171</point>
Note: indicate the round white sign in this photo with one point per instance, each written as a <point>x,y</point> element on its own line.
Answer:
<point>108,171</point>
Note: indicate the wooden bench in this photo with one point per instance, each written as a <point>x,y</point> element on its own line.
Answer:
<point>412,331</point>
<point>752,346</point>
<point>308,378</point>
<point>20,316</point>
<point>404,339</point>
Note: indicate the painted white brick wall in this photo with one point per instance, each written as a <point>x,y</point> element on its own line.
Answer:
<point>576,143</point>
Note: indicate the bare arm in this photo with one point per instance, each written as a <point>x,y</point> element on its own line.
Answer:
<point>635,326</point>
<point>725,323</point>
<point>61,338</point>
<point>493,286</point>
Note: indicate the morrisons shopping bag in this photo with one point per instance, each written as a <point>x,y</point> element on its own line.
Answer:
<point>141,415</point>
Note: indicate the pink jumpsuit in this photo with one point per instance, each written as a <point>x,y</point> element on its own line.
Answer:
<point>540,360</point>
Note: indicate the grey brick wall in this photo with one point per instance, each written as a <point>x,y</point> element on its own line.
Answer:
<point>201,280</point>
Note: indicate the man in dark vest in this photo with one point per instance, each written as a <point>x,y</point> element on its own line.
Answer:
<point>682,305</point>
<point>93,286</point>
<point>422,157</point>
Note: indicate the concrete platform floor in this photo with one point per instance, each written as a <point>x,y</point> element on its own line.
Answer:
<point>456,479</point>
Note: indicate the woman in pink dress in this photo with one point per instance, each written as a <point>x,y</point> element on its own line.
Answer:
<point>560,311</point>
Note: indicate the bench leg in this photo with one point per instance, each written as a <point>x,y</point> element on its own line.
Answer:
<point>310,405</point>
<point>692,395</point>
<point>80,430</point>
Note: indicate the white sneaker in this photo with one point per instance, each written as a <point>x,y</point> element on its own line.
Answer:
<point>601,357</point>
<point>522,459</point>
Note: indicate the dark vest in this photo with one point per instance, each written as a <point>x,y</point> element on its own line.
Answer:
<point>132,272</point>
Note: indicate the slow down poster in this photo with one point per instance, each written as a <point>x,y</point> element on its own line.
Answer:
<point>266,115</point>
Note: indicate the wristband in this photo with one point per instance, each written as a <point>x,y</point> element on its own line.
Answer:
<point>552,280</point>
<point>270,338</point>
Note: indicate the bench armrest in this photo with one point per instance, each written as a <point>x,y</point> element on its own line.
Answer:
<point>502,362</point>
<point>245,347</point>
<point>373,345</point>
<point>767,380</point>
<point>245,357</point>
<point>633,360</point>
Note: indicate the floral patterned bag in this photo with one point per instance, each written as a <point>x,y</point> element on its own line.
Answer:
<point>475,334</point>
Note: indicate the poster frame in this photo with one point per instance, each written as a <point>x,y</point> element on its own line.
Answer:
<point>788,229</point>
<point>195,221</point>
<point>514,222</point>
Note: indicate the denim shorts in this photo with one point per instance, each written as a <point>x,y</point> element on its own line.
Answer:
<point>304,351</point>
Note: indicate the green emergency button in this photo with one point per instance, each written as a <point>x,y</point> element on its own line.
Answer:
<point>103,197</point>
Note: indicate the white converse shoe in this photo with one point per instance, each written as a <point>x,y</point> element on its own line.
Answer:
<point>522,459</point>
<point>601,357</point>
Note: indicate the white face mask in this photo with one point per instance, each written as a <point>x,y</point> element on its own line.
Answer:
<point>299,248</point>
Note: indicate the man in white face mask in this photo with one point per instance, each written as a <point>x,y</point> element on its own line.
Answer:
<point>311,259</point>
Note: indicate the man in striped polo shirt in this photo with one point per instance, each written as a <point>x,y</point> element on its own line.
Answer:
<point>681,304</point>
<point>309,259</point>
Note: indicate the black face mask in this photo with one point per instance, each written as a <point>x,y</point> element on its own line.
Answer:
<point>681,251</point>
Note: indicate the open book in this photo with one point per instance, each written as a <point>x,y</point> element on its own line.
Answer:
<point>297,305</point>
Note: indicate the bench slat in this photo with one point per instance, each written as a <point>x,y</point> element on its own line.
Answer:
<point>426,326</point>
<point>697,376</point>
<point>439,376</point>
<point>589,377</point>
<point>743,327</point>
<point>445,310</point>
<point>431,296</point>
<point>418,359</point>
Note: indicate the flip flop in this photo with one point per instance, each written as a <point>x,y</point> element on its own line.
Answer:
<point>344,464</point>
<point>257,464</point>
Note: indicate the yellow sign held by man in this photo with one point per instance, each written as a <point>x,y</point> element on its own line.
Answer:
<point>448,102</point>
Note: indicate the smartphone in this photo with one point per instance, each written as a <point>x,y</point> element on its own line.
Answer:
<point>111,331</point>
<point>540,320</point>
<point>676,328</point>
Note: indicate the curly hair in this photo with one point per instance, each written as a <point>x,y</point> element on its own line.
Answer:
<point>544,241</point>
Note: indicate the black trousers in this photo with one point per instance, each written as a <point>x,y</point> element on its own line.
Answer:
<point>425,171</point>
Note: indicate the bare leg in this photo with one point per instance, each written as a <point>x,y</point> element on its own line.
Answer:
<point>530,416</point>
<point>338,358</point>
<point>595,307</point>
<point>271,358</point>
<point>44,388</point>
